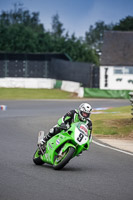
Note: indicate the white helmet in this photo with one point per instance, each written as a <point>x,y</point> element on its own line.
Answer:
<point>84,111</point>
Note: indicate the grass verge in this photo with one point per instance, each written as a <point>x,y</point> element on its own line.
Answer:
<point>21,93</point>
<point>115,122</point>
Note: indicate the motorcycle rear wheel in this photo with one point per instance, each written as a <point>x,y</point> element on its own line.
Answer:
<point>60,163</point>
<point>36,158</point>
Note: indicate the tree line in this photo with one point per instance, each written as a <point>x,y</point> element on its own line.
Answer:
<point>22,32</point>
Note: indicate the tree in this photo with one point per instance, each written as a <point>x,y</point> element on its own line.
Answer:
<point>19,30</point>
<point>94,37</point>
<point>18,39</point>
<point>22,32</point>
<point>57,26</point>
<point>20,16</point>
<point>125,24</point>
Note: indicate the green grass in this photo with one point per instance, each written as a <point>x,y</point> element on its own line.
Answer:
<point>20,93</point>
<point>115,122</point>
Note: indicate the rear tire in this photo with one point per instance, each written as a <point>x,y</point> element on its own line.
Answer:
<point>36,158</point>
<point>65,159</point>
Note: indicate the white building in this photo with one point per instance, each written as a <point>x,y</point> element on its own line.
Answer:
<point>116,69</point>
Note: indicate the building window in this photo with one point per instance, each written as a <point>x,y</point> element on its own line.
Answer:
<point>118,70</point>
<point>128,70</point>
<point>123,70</point>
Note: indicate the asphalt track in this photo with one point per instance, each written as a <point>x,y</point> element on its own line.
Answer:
<point>99,174</point>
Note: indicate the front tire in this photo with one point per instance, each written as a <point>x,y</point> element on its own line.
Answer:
<point>36,158</point>
<point>65,159</point>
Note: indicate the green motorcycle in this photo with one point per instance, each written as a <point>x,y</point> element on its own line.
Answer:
<point>64,146</point>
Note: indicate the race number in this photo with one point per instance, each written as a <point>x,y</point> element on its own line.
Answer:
<point>80,137</point>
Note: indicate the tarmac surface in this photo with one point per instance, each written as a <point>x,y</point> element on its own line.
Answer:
<point>98,174</point>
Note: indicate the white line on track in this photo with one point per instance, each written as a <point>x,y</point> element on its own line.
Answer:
<point>112,148</point>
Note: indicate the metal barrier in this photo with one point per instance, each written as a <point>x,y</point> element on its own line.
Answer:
<point>131,100</point>
<point>54,66</point>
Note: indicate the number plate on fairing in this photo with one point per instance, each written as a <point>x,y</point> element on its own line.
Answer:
<point>80,137</point>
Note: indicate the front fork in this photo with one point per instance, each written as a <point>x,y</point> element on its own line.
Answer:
<point>42,149</point>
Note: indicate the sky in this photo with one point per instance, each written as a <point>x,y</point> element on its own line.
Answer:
<point>75,15</point>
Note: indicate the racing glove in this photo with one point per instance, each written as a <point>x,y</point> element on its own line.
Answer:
<point>63,126</point>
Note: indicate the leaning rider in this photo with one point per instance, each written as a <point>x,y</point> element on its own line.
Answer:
<point>82,114</point>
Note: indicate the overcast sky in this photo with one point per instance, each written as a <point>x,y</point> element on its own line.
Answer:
<point>76,15</point>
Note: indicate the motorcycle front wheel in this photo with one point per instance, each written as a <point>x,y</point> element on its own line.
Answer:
<point>63,159</point>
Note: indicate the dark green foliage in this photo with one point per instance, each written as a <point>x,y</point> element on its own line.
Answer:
<point>125,24</point>
<point>57,26</point>
<point>22,32</point>
<point>94,37</point>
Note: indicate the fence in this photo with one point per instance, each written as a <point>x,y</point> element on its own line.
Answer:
<point>56,66</point>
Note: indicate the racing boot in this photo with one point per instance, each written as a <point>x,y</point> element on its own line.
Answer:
<point>43,141</point>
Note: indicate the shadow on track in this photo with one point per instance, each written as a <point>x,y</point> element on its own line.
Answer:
<point>69,168</point>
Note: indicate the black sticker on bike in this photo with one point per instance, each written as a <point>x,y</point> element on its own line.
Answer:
<point>81,136</point>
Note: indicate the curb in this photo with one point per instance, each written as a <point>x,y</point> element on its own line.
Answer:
<point>109,146</point>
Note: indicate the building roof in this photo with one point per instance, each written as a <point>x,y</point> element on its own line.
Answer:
<point>34,56</point>
<point>117,48</point>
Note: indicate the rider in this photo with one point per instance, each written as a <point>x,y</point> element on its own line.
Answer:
<point>82,114</point>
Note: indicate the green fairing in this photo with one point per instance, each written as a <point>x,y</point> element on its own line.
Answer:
<point>60,121</point>
<point>75,137</point>
<point>36,154</point>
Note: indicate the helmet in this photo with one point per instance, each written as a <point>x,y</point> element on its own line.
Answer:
<point>84,111</point>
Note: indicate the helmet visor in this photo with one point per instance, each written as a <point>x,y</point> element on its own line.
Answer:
<point>85,115</point>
